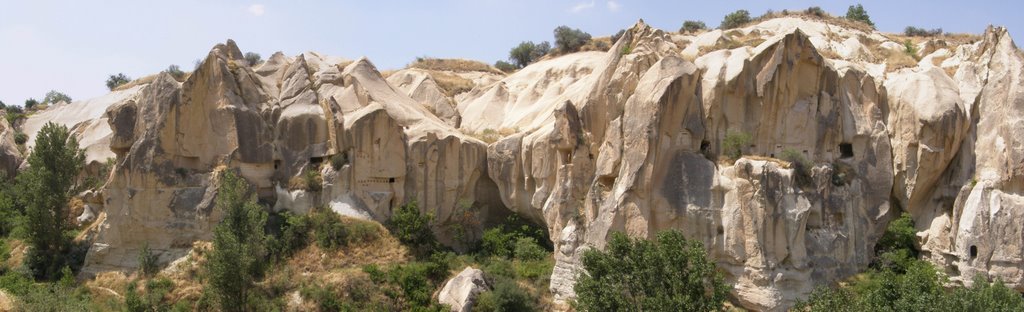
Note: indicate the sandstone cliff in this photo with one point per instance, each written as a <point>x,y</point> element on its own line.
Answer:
<point>846,132</point>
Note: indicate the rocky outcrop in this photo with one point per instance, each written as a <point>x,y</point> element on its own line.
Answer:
<point>460,292</point>
<point>372,148</point>
<point>10,156</point>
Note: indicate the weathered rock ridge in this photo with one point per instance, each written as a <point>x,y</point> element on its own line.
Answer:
<point>628,140</point>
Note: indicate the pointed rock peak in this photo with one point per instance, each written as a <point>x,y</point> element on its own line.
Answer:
<point>361,67</point>
<point>231,50</point>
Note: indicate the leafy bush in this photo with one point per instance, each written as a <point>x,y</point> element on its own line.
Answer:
<point>735,19</point>
<point>148,265</point>
<point>617,35</point>
<point>815,11</point>
<point>670,273</point>
<point>528,52</point>
<point>507,296</point>
<point>253,58</point>
<point>176,72</point>
<point>324,297</point>
<point>570,40</point>
<point>734,143</point>
<point>413,228</point>
<point>900,234</point>
<point>912,31</point>
<point>503,240</point>
<point>528,249</point>
<point>152,300</point>
<point>117,80</point>
<point>54,97</point>
<point>985,296</point>
<point>20,138</point>
<point>412,283</point>
<point>361,232</point>
<point>291,233</point>
<point>692,26</point>
<point>857,13</point>
<point>329,231</point>
<point>31,103</point>
<point>310,180</point>
<point>910,49</point>
<point>801,167</point>
<point>339,160</point>
<point>505,66</point>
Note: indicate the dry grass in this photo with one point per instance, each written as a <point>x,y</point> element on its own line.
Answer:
<point>136,82</point>
<point>451,84</point>
<point>732,43</point>
<point>455,65</point>
<point>825,18</point>
<point>598,44</point>
<point>487,135</point>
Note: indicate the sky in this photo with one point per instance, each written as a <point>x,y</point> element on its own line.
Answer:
<point>73,46</point>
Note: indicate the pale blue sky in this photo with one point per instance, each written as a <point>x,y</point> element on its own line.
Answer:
<point>72,46</point>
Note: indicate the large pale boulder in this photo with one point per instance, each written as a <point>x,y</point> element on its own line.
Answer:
<point>10,155</point>
<point>460,292</point>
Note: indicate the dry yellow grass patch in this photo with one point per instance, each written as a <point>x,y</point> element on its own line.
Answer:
<point>598,44</point>
<point>455,65</point>
<point>825,18</point>
<point>729,43</point>
<point>136,82</point>
<point>451,84</point>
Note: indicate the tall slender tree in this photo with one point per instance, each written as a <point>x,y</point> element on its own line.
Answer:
<point>238,258</point>
<point>44,191</point>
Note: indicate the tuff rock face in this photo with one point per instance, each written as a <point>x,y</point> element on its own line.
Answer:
<point>461,292</point>
<point>627,140</point>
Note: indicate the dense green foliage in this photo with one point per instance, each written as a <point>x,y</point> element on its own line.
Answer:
<point>734,143</point>
<point>898,281</point>
<point>670,273</point>
<point>505,66</point>
<point>857,13</point>
<point>20,138</point>
<point>54,97</point>
<point>44,190</point>
<point>412,228</point>
<point>504,240</point>
<point>31,103</point>
<point>117,80</point>
<point>912,31</point>
<point>152,299</point>
<point>692,26</point>
<point>800,165</point>
<point>528,52</point>
<point>569,39</point>
<point>148,265</point>
<point>506,296</point>
<point>253,58</point>
<point>735,19</point>
<point>239,251</point>
<point>176,72</point>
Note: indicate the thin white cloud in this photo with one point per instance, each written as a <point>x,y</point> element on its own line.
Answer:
<point>614,6</point>
<point>257,9</point>
<point>582,6</point>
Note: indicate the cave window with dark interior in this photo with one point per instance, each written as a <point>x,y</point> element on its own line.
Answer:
<point>845,150</point>
<point>705,146</point>
<point>316,160</point>
<point>391,180</point>
<point>974,251</point>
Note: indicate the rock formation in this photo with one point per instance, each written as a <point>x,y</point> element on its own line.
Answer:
<point>846,132</point>
<point>460,292</point>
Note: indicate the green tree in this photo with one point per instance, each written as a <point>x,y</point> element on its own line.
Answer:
<point>528,52</point>
<point>734,143</point>
<point>670,273</point>
<point>117,80</point>
<point>412,228</point>
<point>505,66</point>
<point>54,97</point>
<point>238,258</point>
<point>857,13</point>
<point>30,103</point>
<point>570,40</point>
<point>44,191</point>
<point>692,26</point>
<point>176,72</point>
<point>253,58</point>
<point>735,19</point>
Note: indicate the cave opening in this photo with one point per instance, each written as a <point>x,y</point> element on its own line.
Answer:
<point>845,150</point>
<point>974,252</point>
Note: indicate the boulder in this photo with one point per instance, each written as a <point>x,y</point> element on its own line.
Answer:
<point>460,292</point>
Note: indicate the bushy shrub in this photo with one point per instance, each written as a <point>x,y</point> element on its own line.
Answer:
<point>735,19</point>
<point>570,40</point>
<point>31,103</point>
<point>55,96</point>
<point>502,240</point>
<point>339,160</point>
<point>528,52</point>
<point>857,13</point>
<point>506,296</point>
<point>117,80</point>
<point>692,27</point>
<point>20,138</point>
<point>527,249</point>
<point>985,296</point>
<point>412,228</point>
<point>734,143</point>
<point>801,167</point>
<point>148,265</point>
<point>670,273</point>
<point>253,58</point>
<point>361,232</point>
<point>815,11</point>
<point>152,300</point>
<point>910,49</point>
<point>617,35</point>
<point>912,31</point>
<point>310,180</point>
<point>325,298</point>
<point>505,66</point>
<point>900,234</point>
<point>290,234</point>
<point>329,231</point>
<point>176,72</point>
